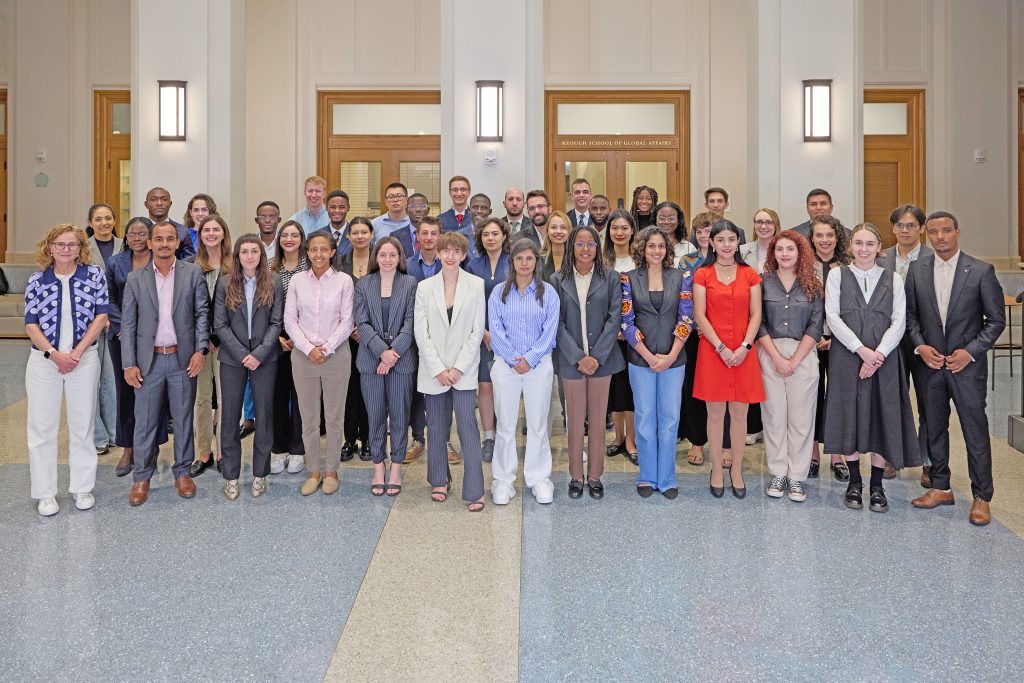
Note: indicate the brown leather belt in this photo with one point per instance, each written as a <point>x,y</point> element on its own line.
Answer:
<point>165,350</point>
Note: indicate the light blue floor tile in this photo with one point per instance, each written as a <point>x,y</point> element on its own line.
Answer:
<point>13,358</point>
<point>760,589</point>
<point>199,589</point>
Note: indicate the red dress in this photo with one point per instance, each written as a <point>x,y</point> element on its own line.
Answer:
<point>728,311</point>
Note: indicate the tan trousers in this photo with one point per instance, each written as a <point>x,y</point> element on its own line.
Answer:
<point>788,412</point>
<point>331,380</point>
<point>586,397</point>
<point>202,420</point>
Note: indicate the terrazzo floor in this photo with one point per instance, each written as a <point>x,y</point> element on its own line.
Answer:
<point>355,588</point>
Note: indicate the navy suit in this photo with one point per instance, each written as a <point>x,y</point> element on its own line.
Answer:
<point>450,223</point>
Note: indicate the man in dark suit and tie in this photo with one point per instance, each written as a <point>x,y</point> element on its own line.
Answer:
<point>954,316</point>
<point>515,206</point>
<point>458,217</point>
<point>581,195</point>
<point>164,342</point>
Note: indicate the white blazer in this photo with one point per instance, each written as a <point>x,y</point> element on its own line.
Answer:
<point>444,345</point>
<point>748,252</point>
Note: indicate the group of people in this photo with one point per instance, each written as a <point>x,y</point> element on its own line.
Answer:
<point>375,332</point>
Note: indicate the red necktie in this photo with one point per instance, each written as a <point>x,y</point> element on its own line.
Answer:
<point>458,217</point>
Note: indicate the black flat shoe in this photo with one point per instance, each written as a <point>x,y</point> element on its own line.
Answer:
<point>246,429</point>
<point>348,451</point>
<point>670,493</point>
<point>633,458</point>
<point>717,491</point>
<point>575,488</point>
<point>364,454</point>
<point>840,471</point>
<point>813,472</point>
<point>199,466</point>
<point>645,491</point>
<point>596,488</point>
<point>878,502</point>
<point>853,498</point>
<point>615,449</point>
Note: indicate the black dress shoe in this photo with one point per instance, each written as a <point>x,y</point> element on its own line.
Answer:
<point>739,492</point>
<point>246,428</point>
<point>878,502</point>
<point>200,466</point>
<point>609,425</point>
<point>596,488</point>
<point>575,488</point>
<point>813,472</point>
<point>670,493</point>
<point>717,491</point>
<point>615,449</point>
<point>633,458</point>
<point>645,491</point>
<point>348,451</point>
<point>853,498</point>
<point>364,454</point>
<point>841,471</point>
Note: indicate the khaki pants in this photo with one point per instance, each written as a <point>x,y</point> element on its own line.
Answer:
<point>331,380</point>
<point>788,412</point>
<point>203,419</point>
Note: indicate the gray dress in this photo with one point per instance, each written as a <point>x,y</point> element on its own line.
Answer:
<point>870,415</point>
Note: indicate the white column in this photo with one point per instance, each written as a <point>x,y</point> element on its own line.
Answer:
<point>510,48</point>
<point>799,40</point>
<point>201,42</point>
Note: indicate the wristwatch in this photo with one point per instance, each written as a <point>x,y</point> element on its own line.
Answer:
<point>747,346</point>
<point>205,350</point>
<point>49,352</point>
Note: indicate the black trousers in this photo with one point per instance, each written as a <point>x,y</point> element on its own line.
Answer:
<point>967,390</point>
<point>357,424</point>
<point>915,368</point>
<point>287,419</point>
<point>232,388</point>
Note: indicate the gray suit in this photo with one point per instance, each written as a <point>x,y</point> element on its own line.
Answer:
<point>386,396</point>
<point>975,318</point>
<point>659,324</point>
<point>888,257</point>
<point>236,343</point>
<point>164,377</point>
<point>604,316</point>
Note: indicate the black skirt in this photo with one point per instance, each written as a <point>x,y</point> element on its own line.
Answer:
<point>621,399</point>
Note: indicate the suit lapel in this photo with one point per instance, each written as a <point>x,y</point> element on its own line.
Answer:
<point>397,294</point>
<point>374,303</point>
<point>642,294</point>
<point>150,282</point>
<point>963,271</point>
<point>928,273</point>
<point>668,302</point>
<point>439,299</point>
<point>460,296</point>
<point>179,283</point>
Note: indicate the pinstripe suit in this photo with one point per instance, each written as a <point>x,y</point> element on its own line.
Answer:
<point>386,396</point>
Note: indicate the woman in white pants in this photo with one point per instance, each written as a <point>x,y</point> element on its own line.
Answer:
<point>792,316</point>
<point>65,312</point>
<point>523,315</point>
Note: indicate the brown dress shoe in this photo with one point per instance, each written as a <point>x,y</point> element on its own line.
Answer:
<point>933,498</point>
<point>415,450</point>
<point>889,472</point>
<point>137,496</point>
<point>186,487</point>
<point>926,476</point>
<point>980,513</point>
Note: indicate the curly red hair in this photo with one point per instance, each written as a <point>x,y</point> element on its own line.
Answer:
<point>805,274</point>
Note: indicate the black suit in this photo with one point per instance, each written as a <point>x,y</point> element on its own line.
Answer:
<point>974,321</point>
<point>235,344</point>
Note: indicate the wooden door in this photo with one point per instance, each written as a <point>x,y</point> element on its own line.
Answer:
<point>1020,173</point>
<point>112,149</point>
<point>3,175</point>
<point>894,158</point>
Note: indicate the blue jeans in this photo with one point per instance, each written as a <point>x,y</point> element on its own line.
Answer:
<point>105,422</point>
<point>656,398</point>
<point>248,412</point>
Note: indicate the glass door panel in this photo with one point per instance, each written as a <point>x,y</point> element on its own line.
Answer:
<point>361,180</point>
<point>596,173</point>
<point>423,177</point>
<point>651,173</point>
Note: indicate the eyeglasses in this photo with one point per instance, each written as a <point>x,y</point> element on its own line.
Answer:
<point>268,219</point>
<point>667,220</point>
<point>767,222</point>
<point>907,226</point>
<point>137,235</point>
<point>417,206</point>
<point>393,197</point>
<point>586,245</point>
<point>64,246</point>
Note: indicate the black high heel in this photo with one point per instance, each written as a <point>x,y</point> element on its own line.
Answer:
<point>717,491</point>
<point>394,489</point>
<point>738,491</point>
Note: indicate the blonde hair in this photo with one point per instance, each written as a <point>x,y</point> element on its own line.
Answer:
<point>44,259</point>
<point>315,180</point>
<point>771,214</point>
<point>869,227</point>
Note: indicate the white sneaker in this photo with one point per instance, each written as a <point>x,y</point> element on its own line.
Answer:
<point>296,463</point>
<point>543,491</point>
<point>501,494</point>
<point>753,438</point>
<point>85,501</point>
<point>277,464</point>
<point>48,507</point>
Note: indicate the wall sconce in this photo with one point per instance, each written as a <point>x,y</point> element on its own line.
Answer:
<point>489,111</point>
<point>818,110</point>
<point>172,110</point>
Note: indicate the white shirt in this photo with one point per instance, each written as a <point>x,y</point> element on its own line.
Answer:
<point>624,264</point>
<point>867,280</point>
<point>903,264</point>
<point>582,289</point>
<point>66,340</point>
<point>270,250</point>
<point>583,218</point>
<point>684,248</point>
<point>943,273</point>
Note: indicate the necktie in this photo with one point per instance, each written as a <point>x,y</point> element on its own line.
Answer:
<point>458,217</point>
<point>583,220</point>
<point>337,237</point>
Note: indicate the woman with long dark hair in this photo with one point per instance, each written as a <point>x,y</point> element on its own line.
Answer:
<point>248,308</point>
<point>287,450</point>
<point>618,254</point>
<point>357,262</point>
<point>590,297</point>
<point>103,245</point>
<point>727,306</point>
<point>386,362</point>
<point>199,207</point>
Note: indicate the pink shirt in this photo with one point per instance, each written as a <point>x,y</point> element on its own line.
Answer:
<point>165,334</point>
<point>318,312</point>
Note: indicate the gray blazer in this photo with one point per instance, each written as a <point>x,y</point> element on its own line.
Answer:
<point>95,249</point>
<point>658,325</point>
<point>396,333</point>
<point>604,316</point>
<point>233,329</point>
<point>888,257</point>
<point>975,317</point>
<point>140,313</point>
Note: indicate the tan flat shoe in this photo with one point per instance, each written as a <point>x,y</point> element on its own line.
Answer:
<point>310,486</point>
<point>331,485</point>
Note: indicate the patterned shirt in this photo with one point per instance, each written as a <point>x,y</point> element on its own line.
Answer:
<point>43,296</point>
<point>684,311</point>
